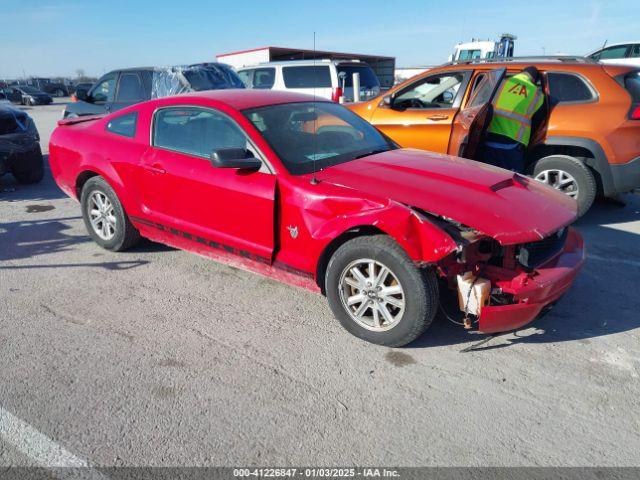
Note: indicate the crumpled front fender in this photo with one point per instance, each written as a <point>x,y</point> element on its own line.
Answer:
<point>423,241</point>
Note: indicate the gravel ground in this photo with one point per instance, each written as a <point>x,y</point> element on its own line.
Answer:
<point>160,357</point>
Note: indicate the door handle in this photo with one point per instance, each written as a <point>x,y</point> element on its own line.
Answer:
<point>438,117</point>
<point>155,168</point>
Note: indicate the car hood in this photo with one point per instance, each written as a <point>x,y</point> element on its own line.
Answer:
<point>503,205</point>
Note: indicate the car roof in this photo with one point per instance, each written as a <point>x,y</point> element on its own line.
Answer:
<point>289,63</point>
<point>131,69</point>
<point>541,63</point>
<point>151,69</point>
<point>241,99</point>
<point>618,44</point>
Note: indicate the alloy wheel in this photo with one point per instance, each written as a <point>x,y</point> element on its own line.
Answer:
<point>560,180</point>
<point>102,215</point>
<point>372,294</point>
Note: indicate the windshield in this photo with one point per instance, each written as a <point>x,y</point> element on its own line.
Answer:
<point>212,77</point>
<point>322,132</point>
<point>469,55</point>
<point>368,79</point>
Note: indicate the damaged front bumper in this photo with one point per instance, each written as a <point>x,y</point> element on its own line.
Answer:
<point>530,292</point>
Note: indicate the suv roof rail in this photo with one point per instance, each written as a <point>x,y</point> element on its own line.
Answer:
<point>539,58</point>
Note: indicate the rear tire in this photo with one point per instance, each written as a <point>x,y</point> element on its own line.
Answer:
<point>104,217</point>
<point>562,172</point>
<point>389,307</point>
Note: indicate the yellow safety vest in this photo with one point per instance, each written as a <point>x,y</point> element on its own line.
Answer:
<point>513,107</point>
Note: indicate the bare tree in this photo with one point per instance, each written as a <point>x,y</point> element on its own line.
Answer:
<point>80,76</point>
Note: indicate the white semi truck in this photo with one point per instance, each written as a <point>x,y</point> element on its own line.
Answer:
<point>484,49</point>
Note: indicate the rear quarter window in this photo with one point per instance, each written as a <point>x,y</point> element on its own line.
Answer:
<point>632,85</point>
<point>264,78</point>
<point>130,88</point>
<point>307,77</point>
<point>245,76</point>
<point>368,78</point>
<point>568,87</point>
<point>124,125</point>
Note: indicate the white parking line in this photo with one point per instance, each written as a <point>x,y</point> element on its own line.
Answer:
<point>43,450</point>
<point>624,261</point>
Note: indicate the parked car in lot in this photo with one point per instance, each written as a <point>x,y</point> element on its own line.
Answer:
<point>20,152</point>
<point>588,144</point>
<point>48,86</point>
<point>26,95</point>
<point>329,79</point>
<point>618,53</point>
<point>310,194</point>
<point>83,86</point>
<point>121,88</point>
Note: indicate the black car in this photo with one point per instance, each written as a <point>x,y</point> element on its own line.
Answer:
<point>121,88</point>
<point>27,95</point>
<point>46,85</point>
<point>20,152</point>
<point>86,86</point>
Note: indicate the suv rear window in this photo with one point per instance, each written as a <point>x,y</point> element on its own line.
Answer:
<point>212,77</point>
<point>307,77</point>
<point>264,77</point>
<point>567,87</point>
<point>368,79</point>
<point>130,88</point>
<point>632,84</point>
<point>618,51</point>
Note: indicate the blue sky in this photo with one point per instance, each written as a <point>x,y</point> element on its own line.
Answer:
<point>58,37</point>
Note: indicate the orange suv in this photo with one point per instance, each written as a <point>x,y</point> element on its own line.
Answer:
<point>589,143</point>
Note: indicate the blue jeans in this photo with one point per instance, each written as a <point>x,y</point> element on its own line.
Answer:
<point>509,158</point>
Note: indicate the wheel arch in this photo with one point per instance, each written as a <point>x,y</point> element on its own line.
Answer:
<point>92,169</point>
<point>422,241</point>
<point>330,249</point>
<point>82,178</point>
<point>584,149</point>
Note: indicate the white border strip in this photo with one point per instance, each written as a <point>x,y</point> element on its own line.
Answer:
<point>41,449</point>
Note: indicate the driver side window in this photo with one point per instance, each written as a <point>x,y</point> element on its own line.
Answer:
<point>104,91</point>
<point>196,131</point>
<point>436,91</point>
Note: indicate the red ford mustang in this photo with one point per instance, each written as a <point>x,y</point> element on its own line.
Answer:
<point>307,192</point>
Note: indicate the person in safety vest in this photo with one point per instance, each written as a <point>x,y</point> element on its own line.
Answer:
<point>514,107</point>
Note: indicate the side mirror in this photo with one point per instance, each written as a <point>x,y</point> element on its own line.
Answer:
<point>82,94</point>
<point>389,101</point>
<point>235,158</point>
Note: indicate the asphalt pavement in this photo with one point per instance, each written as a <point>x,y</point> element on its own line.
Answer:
<point>160,357</point>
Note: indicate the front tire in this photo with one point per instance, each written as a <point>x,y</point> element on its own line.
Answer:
<point>378,294</point>
<point>570,176</point>
<point>104,217</point>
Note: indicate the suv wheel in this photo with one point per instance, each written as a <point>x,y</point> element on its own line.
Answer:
<point>570,176</point>
<point>104,217</point>
<point>378,294</point>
